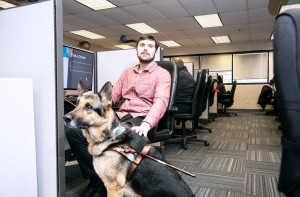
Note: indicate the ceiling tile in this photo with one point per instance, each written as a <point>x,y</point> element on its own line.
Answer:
<point>167,7</point>
<point>234,18</point>
<point>230,5</point>
<point>196,7</point>
<point>260,15</point>
<point>144,12</point>
<point>120,16</point>
<point>186,23</point>
<point>97,19</point>
<point>254,4</point>
<point>261,27</point>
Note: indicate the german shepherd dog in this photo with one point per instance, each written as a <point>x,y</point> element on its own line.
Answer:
<point>103,130</point>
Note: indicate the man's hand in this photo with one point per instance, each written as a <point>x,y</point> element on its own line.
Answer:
<point>143,129</point>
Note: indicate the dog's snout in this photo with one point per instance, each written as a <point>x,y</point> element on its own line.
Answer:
<point>67,119</point>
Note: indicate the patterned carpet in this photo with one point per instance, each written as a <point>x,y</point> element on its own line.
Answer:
<point>243,158</point>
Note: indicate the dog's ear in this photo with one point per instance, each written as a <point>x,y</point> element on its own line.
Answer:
<point>106,92</point>
<point>81,88</point>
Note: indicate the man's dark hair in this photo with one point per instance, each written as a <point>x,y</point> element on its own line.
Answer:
<point>148,37</point>
<point>83,42</point>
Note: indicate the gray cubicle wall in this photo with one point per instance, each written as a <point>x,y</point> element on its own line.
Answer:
<point>28,53</point>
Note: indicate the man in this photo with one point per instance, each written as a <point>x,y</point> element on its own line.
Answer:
<point>145,89</point>
<point>185,87</point>
<point>84,45</point>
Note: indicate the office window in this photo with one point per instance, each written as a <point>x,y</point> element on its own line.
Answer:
<point>220,64</point>
<point>250,67</point>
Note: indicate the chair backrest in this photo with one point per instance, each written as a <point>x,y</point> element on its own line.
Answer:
<point>198,94</point>
<point>206,92</point>
<point>286,45</point>
<point>212,93</point>
<point>233,91</point>
<point>165,128</point>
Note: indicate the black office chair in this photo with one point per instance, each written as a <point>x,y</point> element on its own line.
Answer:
<point>227,100</point>
<point>195,113</point>
<point>211,97</point>
<point>165,128</point>
<point>205,102</point>
<point>286,45</point>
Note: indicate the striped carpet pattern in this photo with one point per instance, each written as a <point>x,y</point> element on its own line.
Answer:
<point>242,160</point>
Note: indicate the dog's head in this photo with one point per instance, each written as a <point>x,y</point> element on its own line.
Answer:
<point>93,111</point>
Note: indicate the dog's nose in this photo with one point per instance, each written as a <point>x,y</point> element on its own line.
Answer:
<point>67,119</point>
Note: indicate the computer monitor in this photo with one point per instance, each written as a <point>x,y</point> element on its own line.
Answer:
<point>78,64</point>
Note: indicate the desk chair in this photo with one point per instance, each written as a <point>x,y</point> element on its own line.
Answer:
<point>205,101</point>
<point>195,113</point>
<point>211,97</point>
<point>286,45</point>
<point>227,100</point>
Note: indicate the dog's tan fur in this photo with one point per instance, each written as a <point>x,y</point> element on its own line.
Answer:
<point>107,164</point>
<point>99,124</point>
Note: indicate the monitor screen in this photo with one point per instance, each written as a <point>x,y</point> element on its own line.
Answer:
<point>78,64</point>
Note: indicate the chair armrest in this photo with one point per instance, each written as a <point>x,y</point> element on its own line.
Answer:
<point>173,109</point>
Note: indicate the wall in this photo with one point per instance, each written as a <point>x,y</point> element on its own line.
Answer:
<point>27,50</point>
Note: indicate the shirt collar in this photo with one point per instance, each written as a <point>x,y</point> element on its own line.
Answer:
<point>150,69</point>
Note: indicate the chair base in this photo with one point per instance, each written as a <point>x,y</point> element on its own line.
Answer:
<point>184,139</point>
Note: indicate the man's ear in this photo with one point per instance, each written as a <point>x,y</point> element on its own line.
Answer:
<point>106,92</point>
<point>81,88</point>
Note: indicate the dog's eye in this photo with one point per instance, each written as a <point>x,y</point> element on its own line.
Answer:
<point>88,107</point>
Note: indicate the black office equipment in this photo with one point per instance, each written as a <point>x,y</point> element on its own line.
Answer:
<point>78,64</point>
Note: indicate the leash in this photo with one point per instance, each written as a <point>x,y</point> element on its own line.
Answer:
<point>129,152</point>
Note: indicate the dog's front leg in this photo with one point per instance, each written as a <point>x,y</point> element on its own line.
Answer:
<point>117,187</point>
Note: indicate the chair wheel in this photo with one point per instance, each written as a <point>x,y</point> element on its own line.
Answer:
<point>206,143</point>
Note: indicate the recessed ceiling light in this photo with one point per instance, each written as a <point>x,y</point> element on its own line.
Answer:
<point>287,7</point>
<point>123,46</point>
<point>210,20</point>
<point>142,28</point>
<point>6,5</point>
<point>87,34</point>
<point>221,39</point>
<point>97,4</point>
<point>170,43</point>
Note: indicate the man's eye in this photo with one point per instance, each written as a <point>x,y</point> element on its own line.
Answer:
<point>88,107</point>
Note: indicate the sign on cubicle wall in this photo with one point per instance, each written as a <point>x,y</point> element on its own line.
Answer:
<point>111,64</point>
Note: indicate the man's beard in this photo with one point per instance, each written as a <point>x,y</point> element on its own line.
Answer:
<point>146,61</point>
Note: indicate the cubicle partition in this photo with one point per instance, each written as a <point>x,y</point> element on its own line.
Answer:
<point>31,94</point>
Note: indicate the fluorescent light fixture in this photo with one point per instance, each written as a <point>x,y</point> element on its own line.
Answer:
<point>170,43</point>
<point>210,20</point>
<point>6,5</point>
<point>124,46</point>
<point>287,7</point>
<point>87,34</point>
<point>97,4</point>
<point>142,28</point>
<point>221,39</point>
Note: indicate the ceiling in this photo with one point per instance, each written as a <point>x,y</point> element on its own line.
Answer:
<point>248,23</point>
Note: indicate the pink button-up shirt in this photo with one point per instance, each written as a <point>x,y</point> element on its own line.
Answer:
<point>146,93</point>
